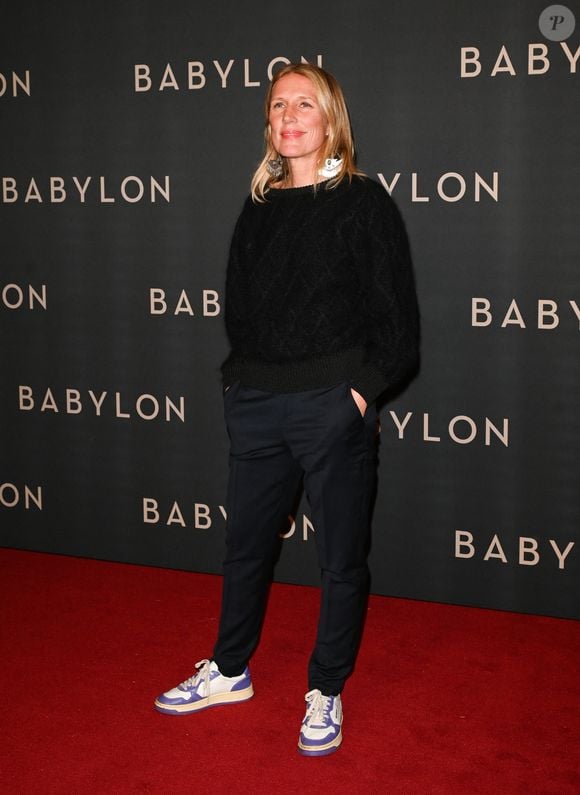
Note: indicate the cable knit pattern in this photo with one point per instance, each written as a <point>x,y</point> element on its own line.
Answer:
<point>319,290</point>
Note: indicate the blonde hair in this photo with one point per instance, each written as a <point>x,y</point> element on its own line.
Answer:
<point>339,142</point>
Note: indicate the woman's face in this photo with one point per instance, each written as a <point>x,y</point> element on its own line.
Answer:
<point>298,125</point>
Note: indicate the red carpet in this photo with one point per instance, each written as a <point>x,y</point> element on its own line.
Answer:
<point>444,699</point>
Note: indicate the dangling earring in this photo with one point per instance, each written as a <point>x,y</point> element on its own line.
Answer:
<point>275,167</point>
<point>331,167</point>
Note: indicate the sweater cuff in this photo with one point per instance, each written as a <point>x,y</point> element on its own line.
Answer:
<point>369,381</point>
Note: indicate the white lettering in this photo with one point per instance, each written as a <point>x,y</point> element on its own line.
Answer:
<point>386,185</point>
<point>118,412</point>
<point>105,199</point>
<point>291,529</point>
<point>464,540</point>
<point>98,402</point>
<point>473,429</point>
<point>224,74</point>
<point>528,549</point>
<point>503,63</point>
<point>168,80</point>
<point>195,72</point>
<point>19,299</point>
<point>211,306</point>
<point>559,554</point>
<point>573,58</point>
<point>426,436</point>
<point>202,520</point>
<point>470,64</point>
<point>306,526</point>
<point>492,190</point>
<point>49,403</point>
<point>178,410</point>
<point>10,496</point>
<point>17,82</point>
<point>24,84</point>
<point>537,52</point>
<point>461,191</point>
<point>25,399</point>
<point>401,426</point>
<point>528,552</point>
<point>150,512</point>
<point>183,304</point>
<point>9,501</point>
<point>9,192</point>
<point>175,516</point>
<point>32,194</point>
<point>140,189</point>
<point>157,304</point>
<point>495,550</point>
<point>57,191</point>
<point>40,297</point>
<point>517,318</point>
<point>548,309</point>
<point>82,189</point>
<point>154,411</point>
<point>30,497</point>
<point>414,194</point>
<point>502,435</point>
<point>247,82</point>
<point>158,188</point>
<point>73,401</point>
<point>278,59</point>
<point>142,79</point>
<point>480,307</point>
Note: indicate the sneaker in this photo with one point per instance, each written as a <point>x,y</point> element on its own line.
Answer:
<point>321,733</point>
<point>206,688</point>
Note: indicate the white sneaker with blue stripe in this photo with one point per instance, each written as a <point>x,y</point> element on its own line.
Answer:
<point>321,732</point>
<point>206,688</point>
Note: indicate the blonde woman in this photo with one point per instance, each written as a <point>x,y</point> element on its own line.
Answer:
<point>322,318</point>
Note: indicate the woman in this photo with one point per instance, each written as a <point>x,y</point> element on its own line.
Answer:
<point>322,318</point>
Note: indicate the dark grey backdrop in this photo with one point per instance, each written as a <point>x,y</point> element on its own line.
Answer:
<point>98,477</point>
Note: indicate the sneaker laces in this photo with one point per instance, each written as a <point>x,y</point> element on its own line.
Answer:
<point>202,675</point>
<point>318,710</point>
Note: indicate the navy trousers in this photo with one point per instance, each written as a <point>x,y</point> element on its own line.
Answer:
<point>276,440</point>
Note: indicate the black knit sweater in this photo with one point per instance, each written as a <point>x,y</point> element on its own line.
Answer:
<point>319,290</point>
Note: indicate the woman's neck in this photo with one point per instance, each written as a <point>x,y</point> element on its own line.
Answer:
<point>301,174</point>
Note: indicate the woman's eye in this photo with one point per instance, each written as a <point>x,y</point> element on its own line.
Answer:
<point>306,105</point>
<point>277,105</point>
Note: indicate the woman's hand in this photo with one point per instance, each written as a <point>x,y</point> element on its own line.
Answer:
<point>360,401</point>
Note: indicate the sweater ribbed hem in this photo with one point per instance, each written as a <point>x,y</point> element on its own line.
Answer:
<point>312,373</point>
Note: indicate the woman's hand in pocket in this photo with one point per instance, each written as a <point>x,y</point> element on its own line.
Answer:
<point>360,401</point>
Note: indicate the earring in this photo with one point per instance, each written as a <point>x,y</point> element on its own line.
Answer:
<point>331,167</point>
<point>275,167</point>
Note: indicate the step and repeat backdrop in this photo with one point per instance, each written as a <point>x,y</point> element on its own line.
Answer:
<point>130,131</point>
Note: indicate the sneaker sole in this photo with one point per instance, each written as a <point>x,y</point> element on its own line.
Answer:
<point>204,703</point>
<point>321,750</point>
